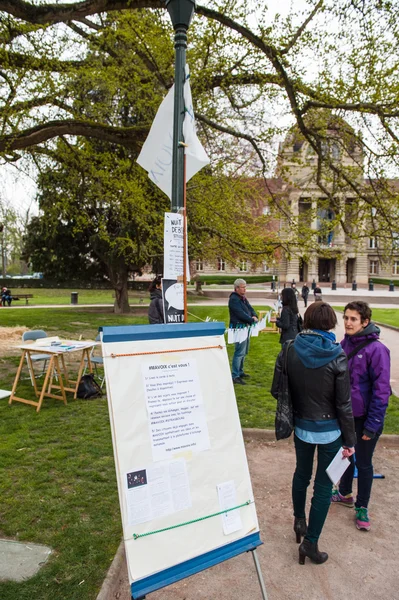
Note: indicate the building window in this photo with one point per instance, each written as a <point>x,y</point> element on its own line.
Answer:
<point>373,270</point>
<point>221,264</point>
<point>266,211</point>
<point>266,268</point>
<point>395,268</point>
<point>373,242</point>
<point>199,265</point>
<point>243,266</point>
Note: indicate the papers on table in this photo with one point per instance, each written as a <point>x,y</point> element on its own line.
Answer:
<point>240,333</point>
<point>54,344</point>
<point>337,467</point>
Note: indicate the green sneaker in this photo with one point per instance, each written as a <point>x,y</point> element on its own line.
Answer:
<point>362,518</point>
<point>347,500</point>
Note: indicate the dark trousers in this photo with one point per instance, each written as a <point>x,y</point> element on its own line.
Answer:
<point>364,450</point>
<point>322,484</point>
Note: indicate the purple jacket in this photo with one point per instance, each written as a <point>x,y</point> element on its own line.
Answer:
<point>369,373</point>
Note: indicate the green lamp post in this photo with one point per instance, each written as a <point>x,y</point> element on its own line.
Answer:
<point>181,13</point>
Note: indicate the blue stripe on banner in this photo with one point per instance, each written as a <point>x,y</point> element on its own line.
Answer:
<point>145,586</point>
<point>135,333</point>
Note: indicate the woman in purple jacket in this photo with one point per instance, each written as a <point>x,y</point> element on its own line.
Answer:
<point>369,369</point>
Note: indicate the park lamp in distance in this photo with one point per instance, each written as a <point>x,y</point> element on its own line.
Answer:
<point>180,12</point>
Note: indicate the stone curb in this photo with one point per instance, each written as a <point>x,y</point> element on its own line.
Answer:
<point>262,435</point>
<point>112,577</point>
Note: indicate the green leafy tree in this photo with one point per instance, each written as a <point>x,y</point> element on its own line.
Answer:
<point>253,77</point>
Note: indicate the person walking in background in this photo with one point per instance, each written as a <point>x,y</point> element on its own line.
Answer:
<point>305,294</point>
<point>288,320</point>
<point>155,310</point>
<point>317,293</point>
<point>318,377</point>
<point>369,368</point>
<point>241,315</point>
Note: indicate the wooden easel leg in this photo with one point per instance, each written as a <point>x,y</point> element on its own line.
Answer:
<point>46,382</point>
<point>17,376</point>
<point>259,573</point>
<point>58,370</point>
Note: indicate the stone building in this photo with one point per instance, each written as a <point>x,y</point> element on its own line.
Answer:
<point>333,254</point>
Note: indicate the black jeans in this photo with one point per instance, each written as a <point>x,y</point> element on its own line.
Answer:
<point>322,484</point>
<point>364,450</point>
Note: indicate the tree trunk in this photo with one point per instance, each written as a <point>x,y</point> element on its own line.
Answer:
<point>121,304</point>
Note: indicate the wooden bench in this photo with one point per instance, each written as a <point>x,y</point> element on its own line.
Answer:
<point>21,297</point>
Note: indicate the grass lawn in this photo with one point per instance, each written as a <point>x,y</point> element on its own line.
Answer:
<point>57,477</point>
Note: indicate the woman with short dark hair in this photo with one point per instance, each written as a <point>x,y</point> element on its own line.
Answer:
<point>288,320</point>
<point>319,385</point>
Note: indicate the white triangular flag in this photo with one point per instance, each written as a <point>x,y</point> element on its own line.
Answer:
<point>156,154</point>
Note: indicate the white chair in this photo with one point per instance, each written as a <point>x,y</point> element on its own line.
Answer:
<point>97,361</point>
<point>36,334</point>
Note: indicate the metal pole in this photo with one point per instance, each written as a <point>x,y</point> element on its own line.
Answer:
<point>260,576</point>
<point>178,148</point>
<point>185,257</point>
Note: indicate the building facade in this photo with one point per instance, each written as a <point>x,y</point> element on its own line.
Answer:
<point>331,219</point>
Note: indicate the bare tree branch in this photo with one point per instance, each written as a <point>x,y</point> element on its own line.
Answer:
<point>131,137</point>
<point>57,13</point>
<point>302,28</point>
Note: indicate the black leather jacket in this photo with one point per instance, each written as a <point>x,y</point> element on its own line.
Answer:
<point>320,394</point>
<point>288,323</point>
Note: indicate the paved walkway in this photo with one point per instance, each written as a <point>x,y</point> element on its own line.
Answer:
<point>361,564</point>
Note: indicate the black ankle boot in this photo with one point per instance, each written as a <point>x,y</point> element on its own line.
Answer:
<point>300,528</point>
<point>310,550</point>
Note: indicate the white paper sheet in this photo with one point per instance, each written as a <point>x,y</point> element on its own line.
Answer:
<point>177,419</point>
<point>337,467</point>
<point>231,520</point>
<point>158,490</point>
<point>230,336</point>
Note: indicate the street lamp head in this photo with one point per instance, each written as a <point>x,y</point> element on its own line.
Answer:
<point>181,12</point>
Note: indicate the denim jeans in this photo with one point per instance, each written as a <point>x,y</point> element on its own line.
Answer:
<point>364,450</point>
<point>322,484</point>
<point>240,352</point>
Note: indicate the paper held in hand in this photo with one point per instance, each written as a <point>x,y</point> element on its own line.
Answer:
<point>337,467</point>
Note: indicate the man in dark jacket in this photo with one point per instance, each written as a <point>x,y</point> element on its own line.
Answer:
<point>241,315</point>
<point>155,310</point>
<point>369,369</point>
<point>305,294</point>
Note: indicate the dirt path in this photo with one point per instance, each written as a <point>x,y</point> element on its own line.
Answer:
<point>360,562</point>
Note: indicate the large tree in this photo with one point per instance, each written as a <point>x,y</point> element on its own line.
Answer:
<point>252,78</point>
<point>99,214</point>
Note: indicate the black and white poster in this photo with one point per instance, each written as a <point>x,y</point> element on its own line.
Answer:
<point>173,301</point>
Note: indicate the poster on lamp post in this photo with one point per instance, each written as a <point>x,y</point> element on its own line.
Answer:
<point>173,247</point>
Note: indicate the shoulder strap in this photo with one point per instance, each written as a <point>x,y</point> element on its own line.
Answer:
<point>360,346</point>
<point>289,344</point>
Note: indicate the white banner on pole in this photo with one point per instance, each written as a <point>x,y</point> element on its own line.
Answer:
<point>156,155</point>
<point>173,247</point>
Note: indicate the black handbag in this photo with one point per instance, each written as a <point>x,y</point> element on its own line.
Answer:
<point>88,387</point>
<point>284,421</point>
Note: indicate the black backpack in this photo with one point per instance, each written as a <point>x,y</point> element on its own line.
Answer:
<point>88,387</point>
